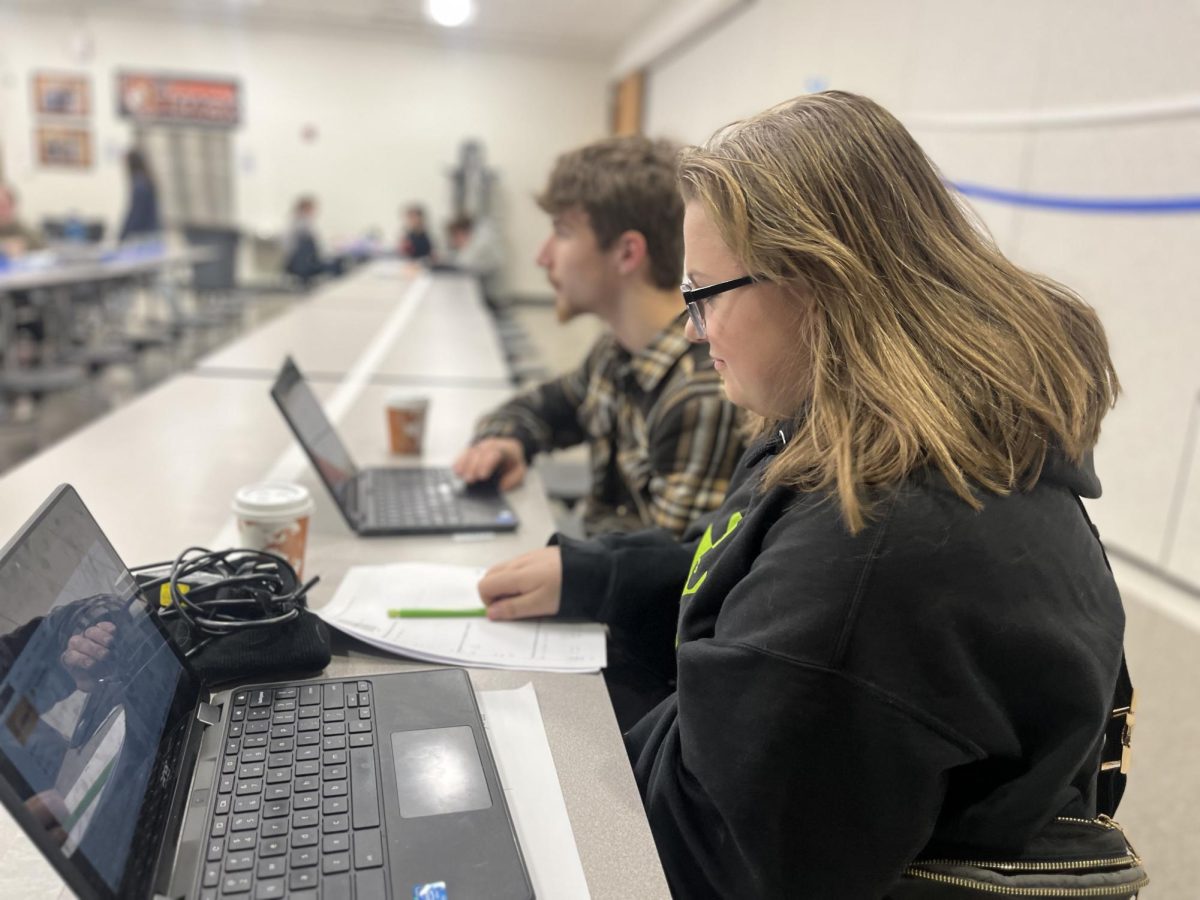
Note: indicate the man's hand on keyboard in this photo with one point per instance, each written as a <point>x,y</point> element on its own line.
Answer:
<point>490,456</point>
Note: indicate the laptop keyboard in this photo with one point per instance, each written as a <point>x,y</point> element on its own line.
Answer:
<point>415,498</point>
<point>297,812</point>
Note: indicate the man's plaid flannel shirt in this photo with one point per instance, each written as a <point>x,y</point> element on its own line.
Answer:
<point>662,411</point>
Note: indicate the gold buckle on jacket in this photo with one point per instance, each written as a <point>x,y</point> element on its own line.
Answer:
<point>1126,712</point>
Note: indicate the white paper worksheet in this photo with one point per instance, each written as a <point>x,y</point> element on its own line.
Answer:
<point>366,597</point>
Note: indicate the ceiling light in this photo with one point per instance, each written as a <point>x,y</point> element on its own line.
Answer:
<point>450,13</point>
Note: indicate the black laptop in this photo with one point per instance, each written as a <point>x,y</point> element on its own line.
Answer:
<point>382,501</point>
<point>135,782</point>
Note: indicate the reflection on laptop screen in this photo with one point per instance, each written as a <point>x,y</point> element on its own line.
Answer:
<point>92,698</point>
<point>313,429</point>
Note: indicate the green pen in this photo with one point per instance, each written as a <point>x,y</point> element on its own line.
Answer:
<point>472,613</point>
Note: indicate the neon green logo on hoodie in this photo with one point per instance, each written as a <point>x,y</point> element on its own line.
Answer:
<point>707,544</point>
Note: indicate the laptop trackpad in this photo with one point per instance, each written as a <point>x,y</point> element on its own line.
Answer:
<point>438,771</point>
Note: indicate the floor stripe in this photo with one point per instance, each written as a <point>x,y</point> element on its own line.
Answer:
<point>1178,205</point>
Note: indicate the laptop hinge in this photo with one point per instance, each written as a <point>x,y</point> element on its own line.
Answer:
<point>361,490</point>
<point>208,713</point>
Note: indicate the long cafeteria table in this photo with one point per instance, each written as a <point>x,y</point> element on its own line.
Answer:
<point>159,474</point>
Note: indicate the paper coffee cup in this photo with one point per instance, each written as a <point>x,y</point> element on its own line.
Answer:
<point>406,423</point>
<point>274,516</point>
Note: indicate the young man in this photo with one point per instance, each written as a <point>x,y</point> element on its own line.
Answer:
<point>663,438</point>
<point>415,242</point>
<point>302,251</point>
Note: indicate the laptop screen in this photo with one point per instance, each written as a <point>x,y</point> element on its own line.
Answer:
<point>94,701</point>
<point>313,429</point>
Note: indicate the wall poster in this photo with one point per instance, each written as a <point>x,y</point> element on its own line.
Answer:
<point>61,94</point>
<point>63,147</point>
<point>178,100</point>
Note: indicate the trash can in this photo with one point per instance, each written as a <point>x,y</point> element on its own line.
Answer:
<point>219,274</point>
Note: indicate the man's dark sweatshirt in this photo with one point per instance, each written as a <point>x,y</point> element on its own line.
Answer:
<point>937,683</point>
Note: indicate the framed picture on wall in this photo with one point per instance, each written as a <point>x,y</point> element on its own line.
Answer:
<point>60,94</point>
<point>65,148</point>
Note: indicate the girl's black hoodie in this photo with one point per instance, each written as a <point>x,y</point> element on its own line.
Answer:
<point>937,683</point>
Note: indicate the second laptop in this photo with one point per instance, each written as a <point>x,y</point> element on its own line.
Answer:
<point>385,501</point>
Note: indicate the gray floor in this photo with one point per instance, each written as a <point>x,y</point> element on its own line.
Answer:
<point>1163,630</point>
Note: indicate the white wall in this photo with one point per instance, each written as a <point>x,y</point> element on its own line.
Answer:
<point>390,116</point>
<point>925,58</point>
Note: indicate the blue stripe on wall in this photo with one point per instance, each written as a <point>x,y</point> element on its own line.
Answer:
<point>1125,205</point>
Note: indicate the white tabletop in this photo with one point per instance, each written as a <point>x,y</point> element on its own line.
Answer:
<point>426,329</point>
<point>159,473</point>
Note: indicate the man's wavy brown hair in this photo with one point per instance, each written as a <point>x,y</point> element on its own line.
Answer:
<point>625,184</point>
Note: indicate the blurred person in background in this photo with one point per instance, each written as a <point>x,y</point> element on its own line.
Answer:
<point>415,243</point>
<point>474,247</point>
<point>16,238</point>
<point>141,219</point>
<point>302,250</point>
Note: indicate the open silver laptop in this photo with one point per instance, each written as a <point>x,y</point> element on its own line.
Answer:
<point>135,781</point>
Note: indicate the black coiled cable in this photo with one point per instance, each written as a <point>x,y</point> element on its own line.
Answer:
<point>231,590</point>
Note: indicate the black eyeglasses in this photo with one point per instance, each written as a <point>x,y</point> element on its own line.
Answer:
<point>694,297</point>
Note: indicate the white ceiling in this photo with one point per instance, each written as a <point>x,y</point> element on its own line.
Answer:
<point>594,28</point>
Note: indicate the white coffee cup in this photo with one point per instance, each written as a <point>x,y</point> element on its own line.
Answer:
<point>274,516</point>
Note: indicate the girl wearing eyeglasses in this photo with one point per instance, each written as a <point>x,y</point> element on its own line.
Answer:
<point>898,638</point>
